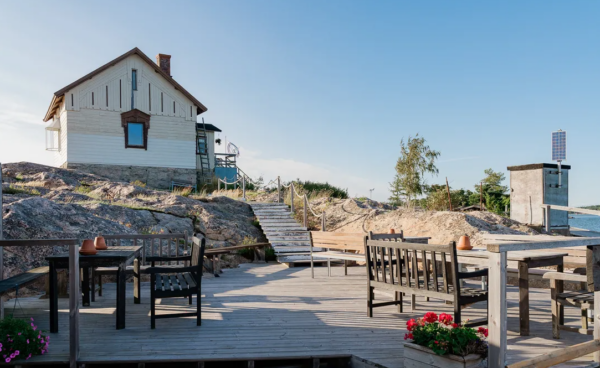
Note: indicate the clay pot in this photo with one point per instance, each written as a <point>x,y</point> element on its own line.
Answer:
<point>392,231</point>
<point>87,248</point>
<point>100,243</point>
<point>464,243</point>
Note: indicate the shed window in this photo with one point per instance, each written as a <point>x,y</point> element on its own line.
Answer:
<point>135,135</point>
<point>134,79</point>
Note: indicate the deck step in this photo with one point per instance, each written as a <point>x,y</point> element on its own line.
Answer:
<point>293,249</point>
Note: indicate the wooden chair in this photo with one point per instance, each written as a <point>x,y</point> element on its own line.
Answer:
<point>582,299</point>
<point>153,245</point>
<point>176,282</point>
<point>394,266</point>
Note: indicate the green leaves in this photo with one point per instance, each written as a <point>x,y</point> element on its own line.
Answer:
<point>416,159</point>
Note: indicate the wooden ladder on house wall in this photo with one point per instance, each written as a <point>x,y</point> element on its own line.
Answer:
<point>205,175</point>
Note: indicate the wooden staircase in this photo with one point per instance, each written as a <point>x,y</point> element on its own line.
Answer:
<point>289,239</point>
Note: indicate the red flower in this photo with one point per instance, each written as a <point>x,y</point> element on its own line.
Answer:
<point>411,324</point>
<point>430,317</point>
<point>455,325</point>
<point>446,318</point>
<point>436,342</point>
<point>483,331</point>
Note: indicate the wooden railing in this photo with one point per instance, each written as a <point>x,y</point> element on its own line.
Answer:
<point>548,207</point>
<point>74,293</point>
<point>497,304</point>
<point>559,356</point>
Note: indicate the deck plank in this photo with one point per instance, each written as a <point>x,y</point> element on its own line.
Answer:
<point>270,311</point>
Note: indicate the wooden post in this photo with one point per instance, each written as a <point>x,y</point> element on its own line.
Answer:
<point>449,198</point>
<point>1,248</point>
<point>73,305</point>
<point>497,311</point>
<point>292,197</point>
<point>597,324</point>
<point>244,187</point>
<point>219,184</point>
<point>547,219</point>
<point>323,221</point>
<point>278,189</point>
<point>305,211</point>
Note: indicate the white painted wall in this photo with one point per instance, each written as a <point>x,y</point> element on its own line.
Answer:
<point>91,130</point>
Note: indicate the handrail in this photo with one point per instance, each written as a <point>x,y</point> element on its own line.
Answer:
<point>559,356</point>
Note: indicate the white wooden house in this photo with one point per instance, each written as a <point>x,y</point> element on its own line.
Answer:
<point>129,120</point>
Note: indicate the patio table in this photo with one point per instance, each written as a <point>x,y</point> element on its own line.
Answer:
<point>523,261</point>
<point>119,256</point>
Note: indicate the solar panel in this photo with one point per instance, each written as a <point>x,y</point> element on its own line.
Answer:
<point>559,146</point>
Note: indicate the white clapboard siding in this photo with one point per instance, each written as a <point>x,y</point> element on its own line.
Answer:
<point>108,123</point>
<point>119,98</point>
<point>108,150</point>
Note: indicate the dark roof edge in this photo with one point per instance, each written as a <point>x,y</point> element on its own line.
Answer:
<point>537,166</point>
<point>208,127</point>
<point>201,108</point>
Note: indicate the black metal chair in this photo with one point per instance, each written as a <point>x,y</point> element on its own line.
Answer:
<point>177,282</point>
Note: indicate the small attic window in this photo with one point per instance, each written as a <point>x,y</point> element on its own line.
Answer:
<point>134,79</point>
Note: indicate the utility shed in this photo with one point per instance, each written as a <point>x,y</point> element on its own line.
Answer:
<point>537,184</point>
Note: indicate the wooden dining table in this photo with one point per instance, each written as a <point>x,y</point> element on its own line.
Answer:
<point>522,261</point>
<point>119,256</point>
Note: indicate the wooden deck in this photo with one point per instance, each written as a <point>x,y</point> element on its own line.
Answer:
<point>269,311</point>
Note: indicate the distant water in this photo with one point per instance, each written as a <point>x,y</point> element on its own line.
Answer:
<point>588,222</point>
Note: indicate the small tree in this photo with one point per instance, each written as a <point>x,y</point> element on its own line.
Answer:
<point>416,159</point>
<point>493,180</point>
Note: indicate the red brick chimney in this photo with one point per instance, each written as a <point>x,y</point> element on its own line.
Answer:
<point>164,63</point>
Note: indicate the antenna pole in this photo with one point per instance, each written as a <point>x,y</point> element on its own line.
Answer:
<point>559,174</point>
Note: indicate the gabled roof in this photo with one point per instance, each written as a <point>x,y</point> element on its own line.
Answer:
<point>59,95</point>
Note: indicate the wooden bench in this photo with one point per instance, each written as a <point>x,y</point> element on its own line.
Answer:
<point>23,279</point>
<point>346,246</point>
<point>394,267</point>
<point>584,300</point>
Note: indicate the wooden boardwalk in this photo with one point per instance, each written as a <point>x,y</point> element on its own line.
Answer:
<point>268,312</point>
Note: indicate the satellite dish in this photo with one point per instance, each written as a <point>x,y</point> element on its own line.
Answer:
<point>233,149</point>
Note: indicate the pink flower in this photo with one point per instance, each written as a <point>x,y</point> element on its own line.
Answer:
<point>34,328</point>
<point>28,341</point>
<point>31,319</point>
<point>17,353</point>
<point>410,324</point>
<point>455,325</point>
<point>32,325</point>
<point>19,334</point>
<point>7,360</point>
<point>483,331</point>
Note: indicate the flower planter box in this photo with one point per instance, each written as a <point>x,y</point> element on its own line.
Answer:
<point>416,356</point>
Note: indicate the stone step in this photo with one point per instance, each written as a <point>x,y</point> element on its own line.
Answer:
<point>283,227</point>
<point>286,239</point>
<point>283,220</point>
<point>290,244</point>
<point>287,233</point>
<point>292,260</point>
<point>275,217</point>
<point>271,210</point>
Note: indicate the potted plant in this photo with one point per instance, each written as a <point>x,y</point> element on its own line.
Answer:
<point>20,340</point>
<point>440,342</point>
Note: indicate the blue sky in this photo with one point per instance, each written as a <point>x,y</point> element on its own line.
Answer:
<point>326,90</point>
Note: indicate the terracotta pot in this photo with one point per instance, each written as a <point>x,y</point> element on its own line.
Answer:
<point>87,248</point>
<point>392,231</point>
<point>464,243</point>
<point>100,243</point>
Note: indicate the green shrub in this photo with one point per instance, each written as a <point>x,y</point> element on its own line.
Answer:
<point>315,187</point>
<point>184,192</point>
<point>20,339</point>
<point>270,254</point>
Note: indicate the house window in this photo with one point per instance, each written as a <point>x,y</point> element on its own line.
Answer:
<point>135,135</point>
<point>134,79</point>
<point>173,107</point>
<point>135,125</point>
<point>162,105</point>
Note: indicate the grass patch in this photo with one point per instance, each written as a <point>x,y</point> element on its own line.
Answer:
<point>184,192</point>
<point>134,206</point>
<point>138,183</point>
<point>19,189</point>
<point>83,189</point>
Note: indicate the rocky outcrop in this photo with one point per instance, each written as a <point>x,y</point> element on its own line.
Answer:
<point>42,202</point>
